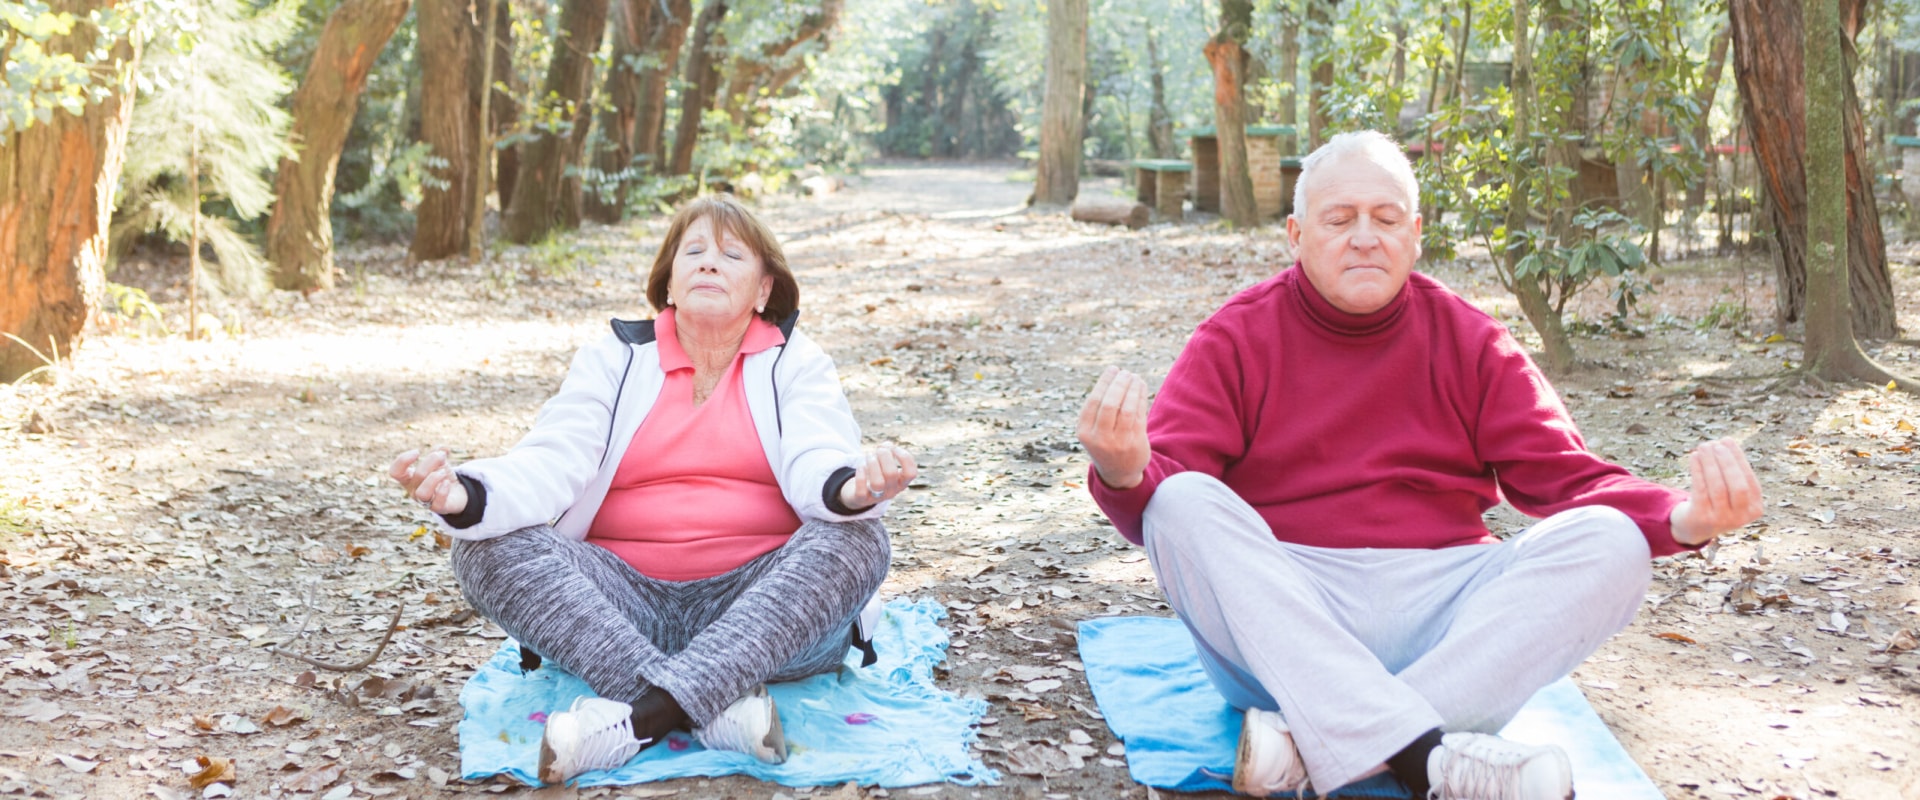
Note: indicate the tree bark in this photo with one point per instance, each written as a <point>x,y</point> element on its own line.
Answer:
<point>665,42</point>
<point>56,195</point>
<point>630,24</point>
<point>1159,120</point>
<point>1229,60</point>
<point>503,108</point>
<point>1557,348</point>
<point>1768,66</point>
<point>536,207</point>
<point>1056,180</point>
<point>954,108</point>
<point>1703,100</point>
<point>299,231</point>
<point>703,83</point>
<point>1111,211</point>
<point>1290,69</point>
<point>448,121</point>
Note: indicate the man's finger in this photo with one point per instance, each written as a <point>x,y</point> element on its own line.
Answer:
<point>1712,490</point>
<point>1090,410</point>
<point>1114,403</point>
<point>1134,408</point>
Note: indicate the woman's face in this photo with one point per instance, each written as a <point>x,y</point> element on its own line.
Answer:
<point>717,278</point>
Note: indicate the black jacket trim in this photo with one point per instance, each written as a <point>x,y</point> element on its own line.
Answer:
<point>831,495</point>
<point>476,505</point>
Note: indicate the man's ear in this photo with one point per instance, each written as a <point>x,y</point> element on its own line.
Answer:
<point>1417,251</point>
<point>1293,234</point>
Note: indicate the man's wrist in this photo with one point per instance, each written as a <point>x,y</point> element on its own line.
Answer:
<point>1682,526</point>
<point>1125,483</point>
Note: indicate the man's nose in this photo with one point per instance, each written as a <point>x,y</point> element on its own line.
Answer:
<point>1364,236</point>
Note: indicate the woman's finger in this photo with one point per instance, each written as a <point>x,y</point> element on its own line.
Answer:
<point>403,465</point>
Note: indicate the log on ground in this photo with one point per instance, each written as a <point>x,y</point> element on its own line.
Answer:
<point>1111,211</point>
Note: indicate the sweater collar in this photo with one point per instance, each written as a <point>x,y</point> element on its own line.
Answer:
<point>1340,323</point>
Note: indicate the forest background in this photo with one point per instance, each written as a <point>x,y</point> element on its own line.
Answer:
<point>1700,213</point>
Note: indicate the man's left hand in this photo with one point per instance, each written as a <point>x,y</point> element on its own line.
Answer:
<point>1725,494</point>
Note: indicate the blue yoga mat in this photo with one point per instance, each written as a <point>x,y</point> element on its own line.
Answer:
<point>883,725</point>
<point>1181,734</point>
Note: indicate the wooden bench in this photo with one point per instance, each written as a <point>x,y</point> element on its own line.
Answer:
<point>1162,184</point>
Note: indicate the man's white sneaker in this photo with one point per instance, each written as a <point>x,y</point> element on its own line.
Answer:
<point>596,733</point>
<point>1267,762</point>
<point>1479,766</point>
<point>751,725</point>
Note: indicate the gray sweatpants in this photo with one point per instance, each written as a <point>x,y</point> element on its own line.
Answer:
<point>782,616</point>
<point>1363,650</point>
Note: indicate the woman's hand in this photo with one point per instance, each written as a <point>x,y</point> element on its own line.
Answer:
<point>883,476</point>
<point>430,481</point>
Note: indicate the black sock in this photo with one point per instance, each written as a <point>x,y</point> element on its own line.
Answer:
<point>656,713</point>
<point>1410,764</point>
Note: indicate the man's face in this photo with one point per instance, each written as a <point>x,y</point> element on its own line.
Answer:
<point>1358,236</point>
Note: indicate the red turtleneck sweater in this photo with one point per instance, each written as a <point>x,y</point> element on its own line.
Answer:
<point>1393,429</point>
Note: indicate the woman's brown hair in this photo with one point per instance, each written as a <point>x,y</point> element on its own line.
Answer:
<point>729,217</point>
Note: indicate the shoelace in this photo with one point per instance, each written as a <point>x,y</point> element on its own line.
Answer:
<point>1478,773</point>
<point>729,731</point>
<point>608,747</point>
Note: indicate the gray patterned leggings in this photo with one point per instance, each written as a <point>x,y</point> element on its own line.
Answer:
<point>782,616</point>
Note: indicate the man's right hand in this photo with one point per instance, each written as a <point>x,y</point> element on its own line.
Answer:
<point>1113,429</point>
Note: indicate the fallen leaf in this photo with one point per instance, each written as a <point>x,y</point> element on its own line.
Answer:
<point>79,765</point>
<point>212,771</point>
<point>1034,712</point>
<point>236,724</point>
<point>281,716</point>
<point>341,792</point>
<point>36,710</point>
<point>1675,637</point>
<point>314,779</point>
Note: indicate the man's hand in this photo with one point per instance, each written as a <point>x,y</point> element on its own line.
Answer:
<point>1725,494</point>
<point>429,479</point>
<point>1113,428</point>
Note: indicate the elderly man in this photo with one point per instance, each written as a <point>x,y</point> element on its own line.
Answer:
<point>1309,487</point>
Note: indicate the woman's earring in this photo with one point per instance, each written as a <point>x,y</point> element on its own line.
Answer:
<point>760,310</point>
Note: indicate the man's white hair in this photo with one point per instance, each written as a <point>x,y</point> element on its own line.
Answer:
<point>1373,146</point>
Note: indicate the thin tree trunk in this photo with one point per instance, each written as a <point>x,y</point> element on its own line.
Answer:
<point>702,82</point>
<point>1056,180</point>
<point>447,125</point>
<point>664,44</point>
<point>953,110</point>
<point>1768,66</point>
<point>1159,120</point>
<point>536,207</point>
<point>572,188</point>
<point>1703,99</point>
<point>629,24</point>
<point>1290,68</point>
<point>1557,347</point>
<point>1831,351</point>
<point>1229,59</point>
<point>504,108</point>
<point>754,76</point>
<point>1320,33</point>
<point>299,231</point>
<point>483,140</point>
<point>56,195</point>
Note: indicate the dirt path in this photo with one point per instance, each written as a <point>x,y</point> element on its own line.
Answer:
<point>196,503</point>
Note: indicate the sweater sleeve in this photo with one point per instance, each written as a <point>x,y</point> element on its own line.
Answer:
<point>1197,423</point>
<point>1542,463</point>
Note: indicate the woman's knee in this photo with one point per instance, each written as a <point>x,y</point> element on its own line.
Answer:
<point>863,543</point>
<point>474,560</point>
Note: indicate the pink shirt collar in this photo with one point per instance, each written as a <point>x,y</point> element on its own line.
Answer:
<point>761,335</point>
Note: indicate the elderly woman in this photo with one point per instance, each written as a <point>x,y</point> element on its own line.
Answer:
<point>691,516</point>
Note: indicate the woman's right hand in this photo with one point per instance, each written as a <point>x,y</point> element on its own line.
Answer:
<point>429,480</point>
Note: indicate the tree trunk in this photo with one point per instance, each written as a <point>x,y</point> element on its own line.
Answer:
<point>1229,60</point>
<point>953,111</point>
<point>754,76</point>
<point>630,23</point>
<point>668,37</point>
<point>503,108</point>
<point>1056,180</point>
<point>448,121</point>
<point>56,195</point>
<point>300,232</point>
<point>572,188</point>
<point>1768,65</point>
<point>1703,100</point>
<point>1290,69</point>
<point>1557,349</point>
<point>1159,120</point>
<point>1320,33</point>
<point>1831,351</point>
<point>536,207</point>
<point>702,82</point>
<point>483,135</point>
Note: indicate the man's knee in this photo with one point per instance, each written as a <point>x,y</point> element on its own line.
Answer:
<point>1611,547</point>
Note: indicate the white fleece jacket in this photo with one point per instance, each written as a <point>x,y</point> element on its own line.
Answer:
<point>560,471</point>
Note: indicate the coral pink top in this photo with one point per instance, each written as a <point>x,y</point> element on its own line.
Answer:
<point>694,496</point>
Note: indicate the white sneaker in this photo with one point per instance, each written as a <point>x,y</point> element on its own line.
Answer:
<point>1479,766</point>
<point>596,733</point>
<point>1267,762</point>
<point>751,725</point>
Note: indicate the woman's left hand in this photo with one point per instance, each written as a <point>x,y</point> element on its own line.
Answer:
<point>883,476</point>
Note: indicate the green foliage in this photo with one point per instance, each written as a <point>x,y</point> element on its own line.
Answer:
<point>209,100</point>
<point>132,305</point>
<point>43,74</point>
